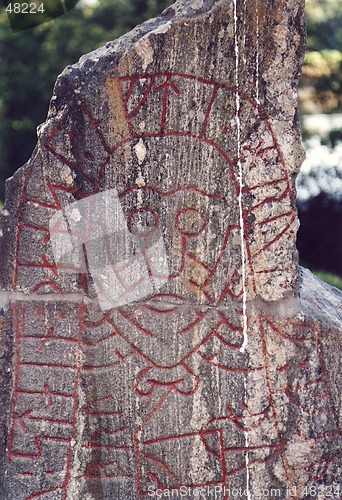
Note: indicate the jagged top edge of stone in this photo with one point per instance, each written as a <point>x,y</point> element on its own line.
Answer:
<point>157,25</point>
<point>107,57</point>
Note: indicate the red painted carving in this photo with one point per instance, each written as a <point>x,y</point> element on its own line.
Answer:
<point>177,358</point>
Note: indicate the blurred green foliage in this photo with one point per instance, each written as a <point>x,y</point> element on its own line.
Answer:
<point>32,59</point>
<point>319,238</point>
<point>324,24</point>
<point>321,87</point>
<point>330,278</point>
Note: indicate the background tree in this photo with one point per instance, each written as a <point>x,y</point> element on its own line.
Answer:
<point>321,87</point>
<point>320,213</point>
<point>32,59</point>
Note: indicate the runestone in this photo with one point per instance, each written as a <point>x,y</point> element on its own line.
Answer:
<point>158,338</point>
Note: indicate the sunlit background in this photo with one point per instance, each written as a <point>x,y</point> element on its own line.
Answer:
<point>319,184</point>
<point>32,59</point>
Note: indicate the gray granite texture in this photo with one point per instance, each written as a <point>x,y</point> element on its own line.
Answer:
<point>157,336</point>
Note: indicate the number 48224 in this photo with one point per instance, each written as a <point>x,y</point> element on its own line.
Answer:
<point>25,8</point>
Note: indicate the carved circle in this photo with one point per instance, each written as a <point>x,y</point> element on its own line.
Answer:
<point>190,222</point>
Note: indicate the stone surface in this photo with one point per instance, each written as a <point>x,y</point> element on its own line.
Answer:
<point>156,331</point>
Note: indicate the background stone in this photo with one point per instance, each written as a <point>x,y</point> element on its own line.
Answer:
<point>226,376</point>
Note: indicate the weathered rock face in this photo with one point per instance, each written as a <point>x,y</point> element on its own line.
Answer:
<point>156,333</point>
